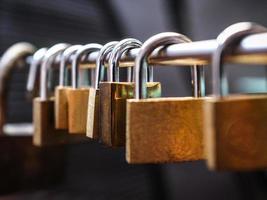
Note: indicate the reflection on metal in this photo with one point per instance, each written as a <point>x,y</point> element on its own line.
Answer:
<point>21,129</point>
<point>251,50</point>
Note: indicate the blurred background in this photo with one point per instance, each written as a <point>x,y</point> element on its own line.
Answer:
<point>92,171</point>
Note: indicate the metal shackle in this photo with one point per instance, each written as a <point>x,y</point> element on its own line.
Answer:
<point>36,61</point>
<point>120,48</point>
<point>84,50</point>
<point>100,66</point>
<point>48,59</point>
<point>229,37</point>
<point>15,56</point>
<point>141,61</point>
<point>66,55</point>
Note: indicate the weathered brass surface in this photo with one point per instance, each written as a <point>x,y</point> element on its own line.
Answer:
<point>44,126</point>
<point>92,129</point>
<point>61,107</point>
<point>77,110</point>
<point>113,96</point>
<point>164,130</point>
<point>236,132</point>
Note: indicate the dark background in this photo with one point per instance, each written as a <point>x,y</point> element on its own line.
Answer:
<point>92,171</point>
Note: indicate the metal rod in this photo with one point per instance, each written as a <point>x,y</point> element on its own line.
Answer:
<point>251,50</point>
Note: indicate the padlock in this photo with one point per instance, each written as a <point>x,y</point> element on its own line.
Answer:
<point>164,129</point>
<point>113,96</point>
<point>20,161</point>
<point>235,125</point>
<point>78,97</point>
<point>61,101</point>
<point>43,106</point>
<point>93,123</point>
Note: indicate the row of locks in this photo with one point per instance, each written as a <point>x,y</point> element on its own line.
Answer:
<point>227,131</point>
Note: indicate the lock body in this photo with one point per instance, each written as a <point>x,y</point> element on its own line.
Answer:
<point>61,107</point>
<point>44,124</point>
<point>236,132</point>
<point>92,128</point>
<point>113,97</point>
<point>77,110</point>
<point>164,130</point>
<point>45,133</point>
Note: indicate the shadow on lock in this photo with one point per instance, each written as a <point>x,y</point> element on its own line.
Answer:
<point>78,96</point>
<point>164,129</point>
<point>113,96</point>
<point>20,161</point>
<point>235,125</point>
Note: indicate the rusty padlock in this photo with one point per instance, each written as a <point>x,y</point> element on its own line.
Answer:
<point>93,123</point>
<point>235,125</point>
<point>43,106</point>
<point>163,129</point>
<point>113,96</point>
<point>78,96</point>
<point>61,101</point>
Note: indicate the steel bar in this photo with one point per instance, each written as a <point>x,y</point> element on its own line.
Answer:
<point>251,50</point>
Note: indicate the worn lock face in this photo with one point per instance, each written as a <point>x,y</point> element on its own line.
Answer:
<point>45,133</point>
<point>61,101</point>
<point>164,130</point>
<point>235,125</point>
<point>77,109</point>
<point>44,125</point>
<point>61,107</point>
<point>236,130</point>
<point>113,109</point>
<point>78,97</point>
<point>92,128</point>
<point>160,130</point>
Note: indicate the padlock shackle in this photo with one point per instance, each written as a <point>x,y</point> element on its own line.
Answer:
<point>100,66</point>
<point>48,59</point>
<point>114,59</point>
<point>141,62</point>
<point>15,56</point>
<point>37,59</point>
<point>66,56</point>
<point>228,38</point>
<point>84,50</point>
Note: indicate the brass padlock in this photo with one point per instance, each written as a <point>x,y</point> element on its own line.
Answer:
<point>78,97</point>
<point>43,106</point>
<point>61,101</point>
<point>235,125</point>
<point>113,96</point>
<point>93,123</point>
<point>163,129</point>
